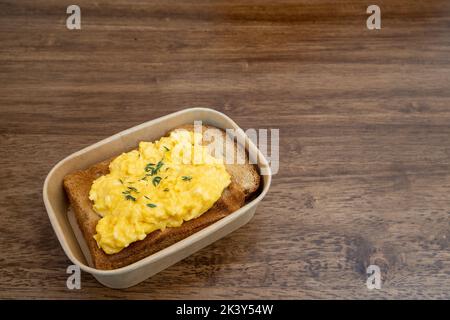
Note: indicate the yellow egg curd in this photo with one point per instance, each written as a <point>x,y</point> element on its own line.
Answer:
<point>161,185</point>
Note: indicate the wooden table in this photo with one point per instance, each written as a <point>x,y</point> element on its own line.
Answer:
<point>364,119</point>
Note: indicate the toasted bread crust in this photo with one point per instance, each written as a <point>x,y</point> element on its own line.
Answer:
<point>78,184</point>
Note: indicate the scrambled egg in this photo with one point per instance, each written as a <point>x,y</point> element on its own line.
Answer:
<point>160,185</point>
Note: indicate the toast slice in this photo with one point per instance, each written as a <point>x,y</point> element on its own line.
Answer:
<point>245,182</point>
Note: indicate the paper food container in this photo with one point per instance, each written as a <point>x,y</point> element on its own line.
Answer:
<point>65,226</point>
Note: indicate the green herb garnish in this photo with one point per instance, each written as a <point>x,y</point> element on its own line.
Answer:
<point>186,178</point>
<point>166,189</point>
<point>167,149</point>
<point>120,180</point>
<point>146,197</point>
<point>133,189</point>
<point>130,197</point>
<point>152,169</point>
<point>158,166</point>
<point>151,205</point>
<point>156,181</point>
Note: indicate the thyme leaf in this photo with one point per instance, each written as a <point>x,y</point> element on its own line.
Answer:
<point>156,180</point>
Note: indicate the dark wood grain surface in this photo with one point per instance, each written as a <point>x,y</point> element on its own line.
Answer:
<point>364,119</point>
